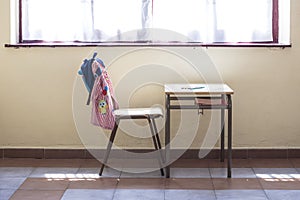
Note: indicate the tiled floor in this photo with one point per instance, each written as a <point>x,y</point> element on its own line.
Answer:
<point>255,179</point>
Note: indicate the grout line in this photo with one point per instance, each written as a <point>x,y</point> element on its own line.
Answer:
<point>210,172</point>
<point>262,188</point>
<point>293,164</point>
<point>164,190</point>
<point>16,189</point>
<point>215,194</point>
<point>254,173</point>
<point>116,187</point>
<point>266,194</point>
<point>33,169</point>
<point>211,180</point>
<point>213,186</point>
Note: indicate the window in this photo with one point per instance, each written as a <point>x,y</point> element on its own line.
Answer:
<point>150,21</point>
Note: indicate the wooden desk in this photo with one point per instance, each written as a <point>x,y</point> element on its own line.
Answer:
<point>204,96</point>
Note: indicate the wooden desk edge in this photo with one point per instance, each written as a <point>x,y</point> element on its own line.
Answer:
<point>198,93</point>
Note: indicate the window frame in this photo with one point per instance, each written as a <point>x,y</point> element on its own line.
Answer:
<point>275,21</point>
<point>37,43</point>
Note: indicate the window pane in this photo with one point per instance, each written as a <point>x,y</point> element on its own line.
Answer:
<point>216,20</point>
<point>244,20</point>
<point>120,19</point>
<point>57,20</point>
<point>188,17</point>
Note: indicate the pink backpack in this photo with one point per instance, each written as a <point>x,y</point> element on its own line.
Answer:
<point>103,99</point>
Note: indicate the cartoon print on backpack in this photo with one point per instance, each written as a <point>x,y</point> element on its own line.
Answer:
<point>102,107</point>
<point>104,91</point>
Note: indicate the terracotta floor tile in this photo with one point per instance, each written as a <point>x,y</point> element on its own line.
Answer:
<point>189,183</point>
<point>44,184</point>
<point>191,163</point>
<point>236,183</point>
<point>241,163</point>
<point>276,173</point>
<point>20,162</point>
<point>141,183</point>
<point>102,183</point>
<point>53,172</point>
<point>236,163</point>
<point>90,163</point>
<point>117,163</point>
<point>271,163</point>
<point>141,173</point>
<point>135,163</point>
<point>280,184</point>
<point>216,163</point>
<point>107,172</point>
<point>295,162</point>
<point>61,163</point>
<point>37,195</point>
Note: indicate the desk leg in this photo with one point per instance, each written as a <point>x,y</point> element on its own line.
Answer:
<point>222,156</point>
<point>167,136</point>
<point>229,136</point>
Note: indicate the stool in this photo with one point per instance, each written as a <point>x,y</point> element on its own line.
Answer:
<point>137,113</point>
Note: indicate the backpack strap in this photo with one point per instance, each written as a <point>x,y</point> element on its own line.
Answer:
<point>89,98</point>
<point>94,55</point>
<point>89,74</point>
<point>90,69</point>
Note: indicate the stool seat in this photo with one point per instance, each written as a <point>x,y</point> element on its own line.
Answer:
<point>154,112</point>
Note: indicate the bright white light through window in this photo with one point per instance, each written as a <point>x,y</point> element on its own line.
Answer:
<point>101,20</point>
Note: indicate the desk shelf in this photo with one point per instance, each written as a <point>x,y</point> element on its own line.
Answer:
<point>210,102</point>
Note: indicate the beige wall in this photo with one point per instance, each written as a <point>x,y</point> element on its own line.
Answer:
<point>36,88</point>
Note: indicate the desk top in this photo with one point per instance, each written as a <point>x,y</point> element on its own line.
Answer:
<point>198,89</point>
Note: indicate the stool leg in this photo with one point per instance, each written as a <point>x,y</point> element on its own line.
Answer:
<point>157,138</point>
<point>156,133</point>
<point>109,145</point>
<point>159,145</point>
<point>155,145</point>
